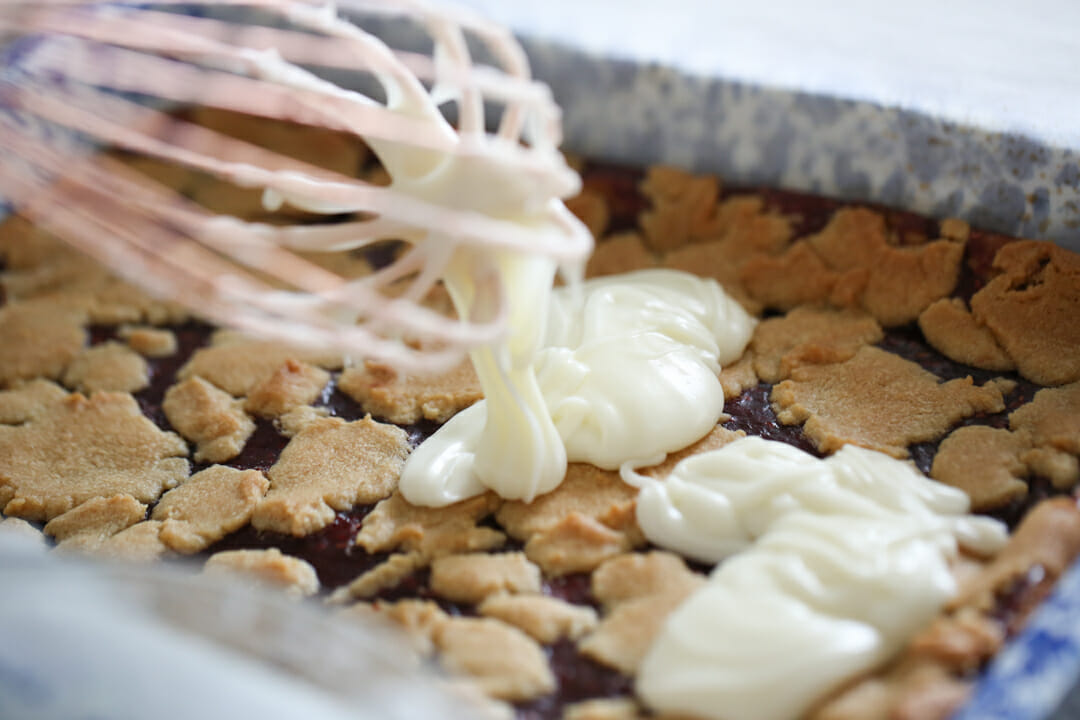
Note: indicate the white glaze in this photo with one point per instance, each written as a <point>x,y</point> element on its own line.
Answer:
<point>628,373</point>
<point>836,563</point>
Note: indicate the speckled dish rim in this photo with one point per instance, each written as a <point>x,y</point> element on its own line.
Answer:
<point>643,114</point>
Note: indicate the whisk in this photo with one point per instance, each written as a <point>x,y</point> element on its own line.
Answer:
<point>80,77</point>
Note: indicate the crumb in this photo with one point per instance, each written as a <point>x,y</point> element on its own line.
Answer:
<point>591,208</point>
<point>147,341</point>
<point>384,576</point>
<point>738,376</point>
<point>29,400</point>
<point>683,207</point>
<point>637,593</point>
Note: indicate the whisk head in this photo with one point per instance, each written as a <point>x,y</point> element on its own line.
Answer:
<point>85,75</point>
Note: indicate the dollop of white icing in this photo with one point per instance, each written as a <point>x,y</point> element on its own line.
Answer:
<point>833,565</point>
<point>627,373</point>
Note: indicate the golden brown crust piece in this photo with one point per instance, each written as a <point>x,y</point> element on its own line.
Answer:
<point>742,230</point>
<point>683,207</point>
<point>385,575</point>
<point>1052,418</point>
<point>620,253</point>
<point>38,339</point>
<point>591,208</point>
<point>638,592</point>
<point>739,376</point>
<point>850,263</point>
<point>80,448</point>
<point>86,527</point>
<point>810,336</point>
<point>954,332</point>
<point>147,341</point>
<point>107,366</point>
<point>546,619</point>
<point>576,543</point>
<point>208,506</point>
<point>28,400</point>
<point>394,524</point>
<point>1032,307</point>
<point>505,662</point>
<point>293,384</point>
<point>236,364</point>
<point>139,543</point>
<point>471,577</point>
<point>266,567</point>
<point>403,399</point>
<point>879,401</point>
<point>586,490</point>
<point>985,463</point>
<point>328,466</point>
<point>211,418</point>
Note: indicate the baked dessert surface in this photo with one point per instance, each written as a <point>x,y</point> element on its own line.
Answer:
<point>130,430</point>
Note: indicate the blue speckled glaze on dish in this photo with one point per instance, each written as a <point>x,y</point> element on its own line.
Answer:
<point>1029,678</point>
<point>642,114</point>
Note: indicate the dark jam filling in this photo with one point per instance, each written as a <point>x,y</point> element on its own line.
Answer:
<point>338,560</point>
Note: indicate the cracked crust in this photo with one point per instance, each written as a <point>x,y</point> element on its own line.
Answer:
<point>851,264</point>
